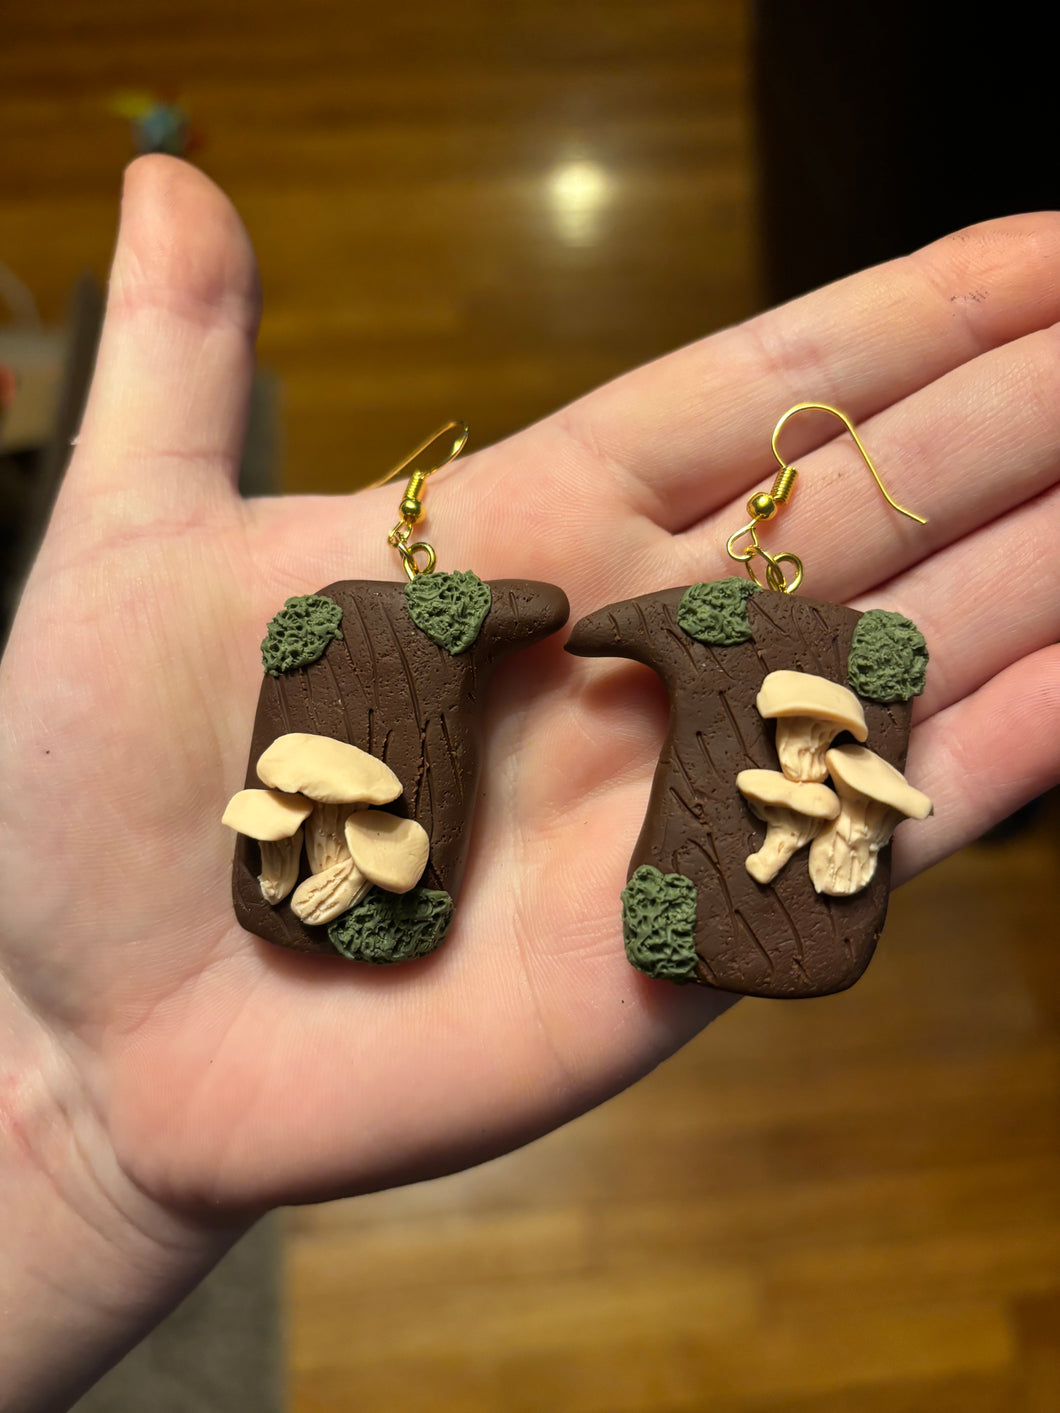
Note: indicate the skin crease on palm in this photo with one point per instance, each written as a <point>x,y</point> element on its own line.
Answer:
<point>173,1057</point>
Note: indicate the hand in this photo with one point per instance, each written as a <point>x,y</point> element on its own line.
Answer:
<point>202,1071</point>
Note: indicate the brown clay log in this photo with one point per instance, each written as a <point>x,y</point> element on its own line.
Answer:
<point>387,688</point>
<point>781,939</point>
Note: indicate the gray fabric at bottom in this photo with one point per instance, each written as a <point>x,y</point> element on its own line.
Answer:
<point>218,1352</point>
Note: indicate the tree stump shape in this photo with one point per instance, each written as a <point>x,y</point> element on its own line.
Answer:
<point>781,939</point>
<point>386,687</point>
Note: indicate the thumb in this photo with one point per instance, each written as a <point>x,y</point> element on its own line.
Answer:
<point>163,430</point>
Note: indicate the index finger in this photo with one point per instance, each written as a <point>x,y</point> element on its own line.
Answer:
<point>692,429</point>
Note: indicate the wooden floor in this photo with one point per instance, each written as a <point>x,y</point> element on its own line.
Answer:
<point>849,1205</point>
<point>480,209</point>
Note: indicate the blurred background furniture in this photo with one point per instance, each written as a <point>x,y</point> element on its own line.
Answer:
<point>883,127</point>
<point>222,1349</point>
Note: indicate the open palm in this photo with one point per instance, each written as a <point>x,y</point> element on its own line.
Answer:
<point>210,1068</point>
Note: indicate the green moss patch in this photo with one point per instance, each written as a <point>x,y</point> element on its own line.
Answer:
<point>659,924</point>
<point>888,657</point>
<point>300,633</point>
<point>384,928</point>
<point>716,612</point>
<point>449,608</point>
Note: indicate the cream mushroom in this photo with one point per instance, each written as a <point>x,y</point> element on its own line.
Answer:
<point>337,777</point>
<point>322,897</point>
<point>325,836</point>
<point>380,849</point>
<point>275,820</point>
<point>325,788</point>
<point>328,771</point>
<point>810,712</point>
<point>793,812</point>
<point>389,851</point>
<point>875,799</point>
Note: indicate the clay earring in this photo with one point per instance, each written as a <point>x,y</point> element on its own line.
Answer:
<point>770,697</point>
<point>354,825</point>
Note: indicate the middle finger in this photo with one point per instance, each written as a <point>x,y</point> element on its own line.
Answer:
<point>954,443</point>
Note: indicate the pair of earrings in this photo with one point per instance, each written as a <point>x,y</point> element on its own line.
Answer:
<point>354,825</point>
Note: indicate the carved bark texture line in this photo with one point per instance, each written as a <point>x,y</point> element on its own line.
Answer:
<point>384,686</point>
<point>781,939</point>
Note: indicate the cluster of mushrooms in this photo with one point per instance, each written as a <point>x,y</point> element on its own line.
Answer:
<point>320,793</point>
<point>846,827</point>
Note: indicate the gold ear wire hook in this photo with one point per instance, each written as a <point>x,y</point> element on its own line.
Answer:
<point>824,407</point>
<point>455,433</point>
<point>765,504</point>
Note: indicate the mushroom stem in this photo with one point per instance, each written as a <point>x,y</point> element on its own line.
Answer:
<point>322,897</point>
<point>325,836</point>
<point>792,811</point>
<point>274,819</point>
<point>279,866</point>
<point>801,745</point>
<point>843,857</point>
<point>810,713</point>
<point>786,834</point>
<point>875,798</point>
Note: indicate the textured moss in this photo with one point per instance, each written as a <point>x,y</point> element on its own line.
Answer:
<point>300,633</point>
<point>449,608</point>
<point>716,612</point>
<point>384,928</point>
<point>888,657</point>
<point>659,923</point>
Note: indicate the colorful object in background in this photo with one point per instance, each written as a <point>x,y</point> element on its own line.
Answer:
<point>31,365</point>
<point>158,124</point>
<point>7,389</point>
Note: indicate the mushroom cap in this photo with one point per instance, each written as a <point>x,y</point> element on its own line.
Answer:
<point>771,788</point>
<point>787,693</point>
<point>266,815</point>
<point>390,852</point>
<point>328,771</point>
<point>857,770</point>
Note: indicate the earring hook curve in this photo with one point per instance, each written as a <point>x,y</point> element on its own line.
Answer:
<point>835,412</point>
<point>765,504</point>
